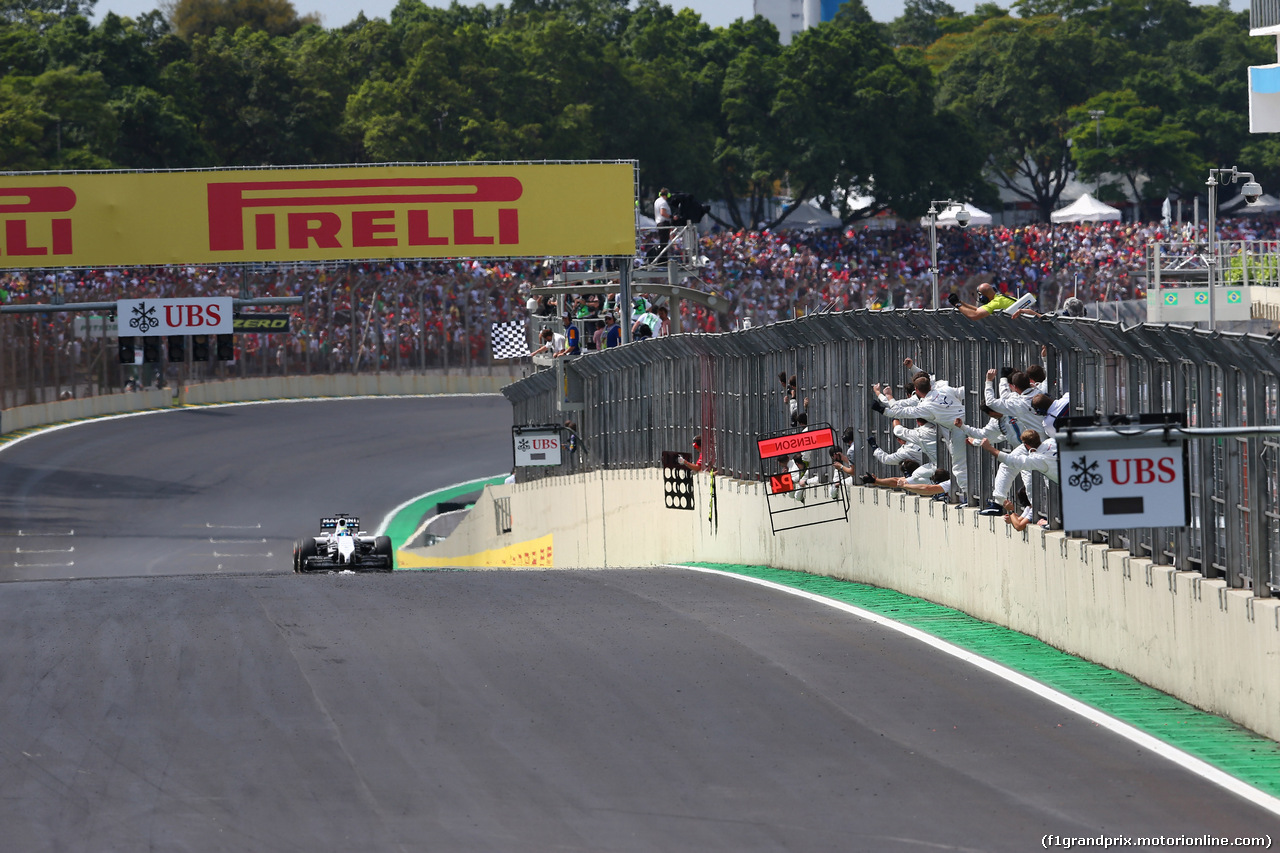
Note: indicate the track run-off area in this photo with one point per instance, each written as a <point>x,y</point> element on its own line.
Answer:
<point>169,684</point>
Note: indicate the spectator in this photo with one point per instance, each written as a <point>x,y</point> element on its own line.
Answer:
<point>646,325</point>
<point>992,302</point>
<point>572,336</point>
<point>610,334</point>
<point>664,322</point>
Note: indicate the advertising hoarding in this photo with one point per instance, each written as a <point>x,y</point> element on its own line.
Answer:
<point>91,219</point>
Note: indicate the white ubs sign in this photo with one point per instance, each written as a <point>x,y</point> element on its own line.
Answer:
<point>154,317</point>
<point>1113,483</point>
<point>534,446</point>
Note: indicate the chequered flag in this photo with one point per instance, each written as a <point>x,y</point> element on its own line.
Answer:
<point>509,339</point>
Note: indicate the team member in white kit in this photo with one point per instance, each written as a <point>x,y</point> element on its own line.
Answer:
<point>940,404</point>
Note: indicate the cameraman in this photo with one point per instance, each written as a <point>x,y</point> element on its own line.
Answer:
<point>662,216</point>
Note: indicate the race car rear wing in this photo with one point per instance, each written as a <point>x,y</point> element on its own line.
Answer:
<point>330,522</point>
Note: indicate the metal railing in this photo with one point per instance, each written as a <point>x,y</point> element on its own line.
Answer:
<point>641,399</point>
<point>1240,262</point>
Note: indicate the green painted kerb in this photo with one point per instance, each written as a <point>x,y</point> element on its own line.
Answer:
<point>406,521</point>
<point>1221,743</point>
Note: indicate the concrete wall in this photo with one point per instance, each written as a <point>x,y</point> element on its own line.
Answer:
<point>1214,647</point>
<point>347,385</point>
<point>270,388</point>
<point>24,417</point>
<point>1265,302</point>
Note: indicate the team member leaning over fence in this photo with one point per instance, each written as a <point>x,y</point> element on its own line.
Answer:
<point>939,403</point>
<point>842,462</point>
<point>919,444</point>
<point>1055,411</point>
<point>1020,521</point>
<point>997,429</point>
<point>912,472</point>
<point>940,487</point>
<point>842,470</point>
<point>1031,454</point>
<point>1013,399</point>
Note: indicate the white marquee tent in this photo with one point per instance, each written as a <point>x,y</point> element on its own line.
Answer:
<point>808,215</point>
<point>1086,209</point>
<point>1265,204</point>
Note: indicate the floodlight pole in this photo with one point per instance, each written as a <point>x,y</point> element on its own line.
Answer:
<point>1227,176</point>
<point>1212,259</point>
<point>947,204</point>
<point>624,297</point>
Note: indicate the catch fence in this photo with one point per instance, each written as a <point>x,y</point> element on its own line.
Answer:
<point>355,319</point>
<point>639,400</point>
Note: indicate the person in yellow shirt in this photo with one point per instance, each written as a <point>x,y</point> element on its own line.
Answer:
<point>992,302</point>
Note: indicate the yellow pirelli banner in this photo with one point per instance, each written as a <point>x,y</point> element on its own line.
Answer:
<point>93,219</point>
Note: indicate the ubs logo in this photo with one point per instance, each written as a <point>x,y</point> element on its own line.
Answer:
<point>320,214</point>
<point>28,230</point>
<point>1086,476</point>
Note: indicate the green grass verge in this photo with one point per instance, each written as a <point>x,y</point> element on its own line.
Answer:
<point>1245,754</point>
<point>406,520</point>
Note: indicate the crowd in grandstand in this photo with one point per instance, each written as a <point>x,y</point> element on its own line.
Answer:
<point>430,313</point>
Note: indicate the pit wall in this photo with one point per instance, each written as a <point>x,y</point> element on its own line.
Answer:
<point>266,388</point>
<point>1211,646</point>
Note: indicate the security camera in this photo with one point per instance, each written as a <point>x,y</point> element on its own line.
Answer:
<point>1251,191</point>
<point>962,218</point>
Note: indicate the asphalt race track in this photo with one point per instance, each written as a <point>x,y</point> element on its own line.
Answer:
<point>161,691</point>
<point>228,489</point>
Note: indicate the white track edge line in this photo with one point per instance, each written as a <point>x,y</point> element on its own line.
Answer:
<point>41,430</point>
<point>1165,750</point>
<point>386,520</point>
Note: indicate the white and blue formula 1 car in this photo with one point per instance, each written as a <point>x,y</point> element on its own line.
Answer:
<point>343,547</point>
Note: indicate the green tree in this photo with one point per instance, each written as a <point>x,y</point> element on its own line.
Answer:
<point>1013,81</point>
<point>22,123</point>
<point>256,104</point>
<point>155,133</point>
<point>748,154</point>
<point>1201,84</point>
<point>1152,153</point>
<point>60,120</point>
<point>858,117</point>
<point>205,17</point>
<point>416,112</point>
<point>921,22</point>
<point>674,88</point>
<point>40,12</point>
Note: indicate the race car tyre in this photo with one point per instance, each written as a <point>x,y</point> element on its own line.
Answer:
<point>297,546</point>
<point>305,550</point>
<point>382,547</point>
